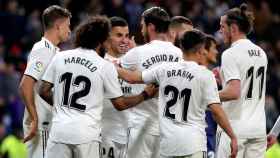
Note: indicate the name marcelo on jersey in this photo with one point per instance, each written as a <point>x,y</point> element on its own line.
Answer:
<point>82,61</point>
<point>159,58</point>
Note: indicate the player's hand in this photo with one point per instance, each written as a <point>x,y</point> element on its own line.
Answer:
<point>32,132</point>
<point>151,90</point>
<point>216,72</point>
<point>131,43</point>
<point>271,139</point>
<point>234,147</point>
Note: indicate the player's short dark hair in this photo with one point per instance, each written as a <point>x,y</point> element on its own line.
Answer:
<point>92,32</point>
<point>191,41</point>
<point>243,18</point>
<point>209,39</point>
<point>118,21</point>
<point>158,17</point>
<point>53,13</point>
<point>179,20</point>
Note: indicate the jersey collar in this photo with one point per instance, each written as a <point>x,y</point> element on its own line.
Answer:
<point>160,41</point>
<point>239,41</point>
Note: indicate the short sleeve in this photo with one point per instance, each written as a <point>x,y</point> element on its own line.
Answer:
<point>130,59</point>
<point>112,86</point>
<point>210,89</point>
<point>37,63</point>
<point>49,74</point>
<point>152,75</point>
<point>229,67</point>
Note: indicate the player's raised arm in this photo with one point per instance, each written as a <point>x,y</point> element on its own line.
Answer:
<point>130,76</point>
<point>122,103</point>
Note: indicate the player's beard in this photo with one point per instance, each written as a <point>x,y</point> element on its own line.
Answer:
<point>102,51</point>
<point>177,42</point>
<point>146,37</point>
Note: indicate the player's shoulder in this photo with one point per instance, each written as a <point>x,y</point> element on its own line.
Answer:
<point>204,73</point>
<point>42,44</point>
<point>172,46</point>
<point>41,48</point>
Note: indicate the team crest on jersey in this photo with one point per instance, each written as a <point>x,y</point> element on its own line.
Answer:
<point>38,66</point>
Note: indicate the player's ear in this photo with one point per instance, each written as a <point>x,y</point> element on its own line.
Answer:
<point>151,27</point>
<point>56,25</point>
<point>233,28</point>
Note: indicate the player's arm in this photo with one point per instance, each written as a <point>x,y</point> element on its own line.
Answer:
<point>122,103</point>
<point>130,76</point>
<point>273,134</point>
<point>211,98</point>
<point>45,91</point>
<point>231,91</point>
<point>231,74</point>
<point>26,91</point>
<point>221,119</point>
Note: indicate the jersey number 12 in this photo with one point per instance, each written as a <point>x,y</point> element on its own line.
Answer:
<point>71,102</point>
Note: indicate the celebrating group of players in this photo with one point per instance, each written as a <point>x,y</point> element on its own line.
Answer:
<point>109,98</point>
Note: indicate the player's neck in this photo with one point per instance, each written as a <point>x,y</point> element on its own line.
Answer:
<point>238,37</point>
<point>205,63</point>
<point>160,37</point>
<point>113,54</point>
<point>191,57</point>
<point>52,37</point>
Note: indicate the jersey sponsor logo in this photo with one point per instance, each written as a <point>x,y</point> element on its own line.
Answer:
<point>38,66</point>
<point>159,58</point>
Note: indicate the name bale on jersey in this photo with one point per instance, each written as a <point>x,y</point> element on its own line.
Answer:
<point>180,73</point>
<point>159,58</point>
<point>256,53</point>
<point>82,61</point>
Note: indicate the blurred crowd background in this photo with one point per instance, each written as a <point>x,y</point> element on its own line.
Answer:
<point>20,28</point>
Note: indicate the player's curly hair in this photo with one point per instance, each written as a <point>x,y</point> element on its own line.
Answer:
<point>158,17</point>
<point>243,18</point>
<point>92,32</point>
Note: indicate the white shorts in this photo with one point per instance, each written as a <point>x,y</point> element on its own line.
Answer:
<point>36,147</point>
<point>112,149</point>
<point>247,147</point>
<point>87,150</point>
<point>201,154</point>
<point>142,144</point>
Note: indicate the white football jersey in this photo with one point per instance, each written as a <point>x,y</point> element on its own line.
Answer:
<point>81,79</point>
<point>246,62</point>
<point>114,122</point>
<point>38,60</point>
<point>185,91</point>
<point>146,57</point>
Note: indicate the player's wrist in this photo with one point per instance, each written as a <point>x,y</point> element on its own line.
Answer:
<point>145,95</point>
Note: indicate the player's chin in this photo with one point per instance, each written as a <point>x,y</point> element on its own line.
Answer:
<point>123,50</point>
